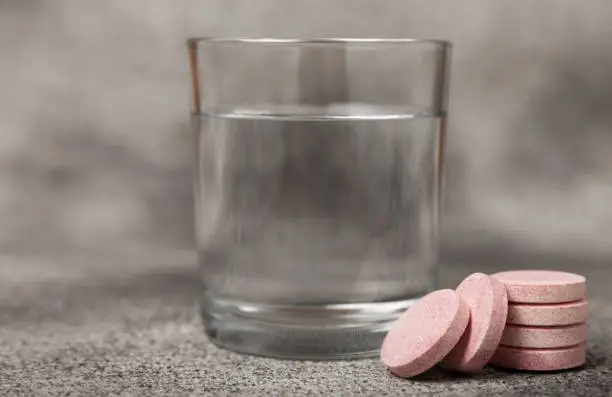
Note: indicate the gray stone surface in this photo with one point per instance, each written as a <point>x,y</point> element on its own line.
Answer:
<point>129,326</point>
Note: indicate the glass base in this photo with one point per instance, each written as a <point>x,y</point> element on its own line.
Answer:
<point>321,332</point>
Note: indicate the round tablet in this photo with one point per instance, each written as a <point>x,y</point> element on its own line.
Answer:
<point>548,314</point>
<point>542,286</point>
<point>544,337</point>
<point>425,333</point>
<point>540,359</point>
<point>488,303</point>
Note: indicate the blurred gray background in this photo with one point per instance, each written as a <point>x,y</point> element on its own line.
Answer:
<point>95,148</point>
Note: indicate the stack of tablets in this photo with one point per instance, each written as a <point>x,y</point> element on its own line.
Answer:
<point>546,323</point>
<point>527,320</point>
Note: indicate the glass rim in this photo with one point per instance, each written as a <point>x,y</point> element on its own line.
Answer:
<point>321,41</point>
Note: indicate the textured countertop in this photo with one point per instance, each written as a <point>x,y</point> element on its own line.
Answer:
<point>108,326</point>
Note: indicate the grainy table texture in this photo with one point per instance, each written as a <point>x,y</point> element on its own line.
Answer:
<point>129,326</point>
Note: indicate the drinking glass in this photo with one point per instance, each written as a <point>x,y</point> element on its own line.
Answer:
<point>317,188</point>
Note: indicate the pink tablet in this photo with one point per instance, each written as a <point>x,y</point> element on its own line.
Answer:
<point>425,333</point>
<point>544,337</point>
<point>488,304</point>
<point>540,359</point>
<point>542,286</point>
<point>548,314</point>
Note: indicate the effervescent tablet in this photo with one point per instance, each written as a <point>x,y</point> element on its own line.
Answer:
<point>425,333</point>
<point>542,286</point>
<point>540,359</point>
<point>488,303</point>
<point>544,337</point>
<point>548,314</point>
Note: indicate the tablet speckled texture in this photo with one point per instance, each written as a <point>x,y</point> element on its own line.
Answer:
<point>425,333</point>
<point>540,359</point>
<point>548,314</point>
<point>488,304</point>
<point>542,286</point>
<point>544,337</point>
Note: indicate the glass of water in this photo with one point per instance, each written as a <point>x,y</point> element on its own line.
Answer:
<point>317,188</point>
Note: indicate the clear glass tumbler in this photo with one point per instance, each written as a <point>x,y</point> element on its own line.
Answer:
<point>317,189</point>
